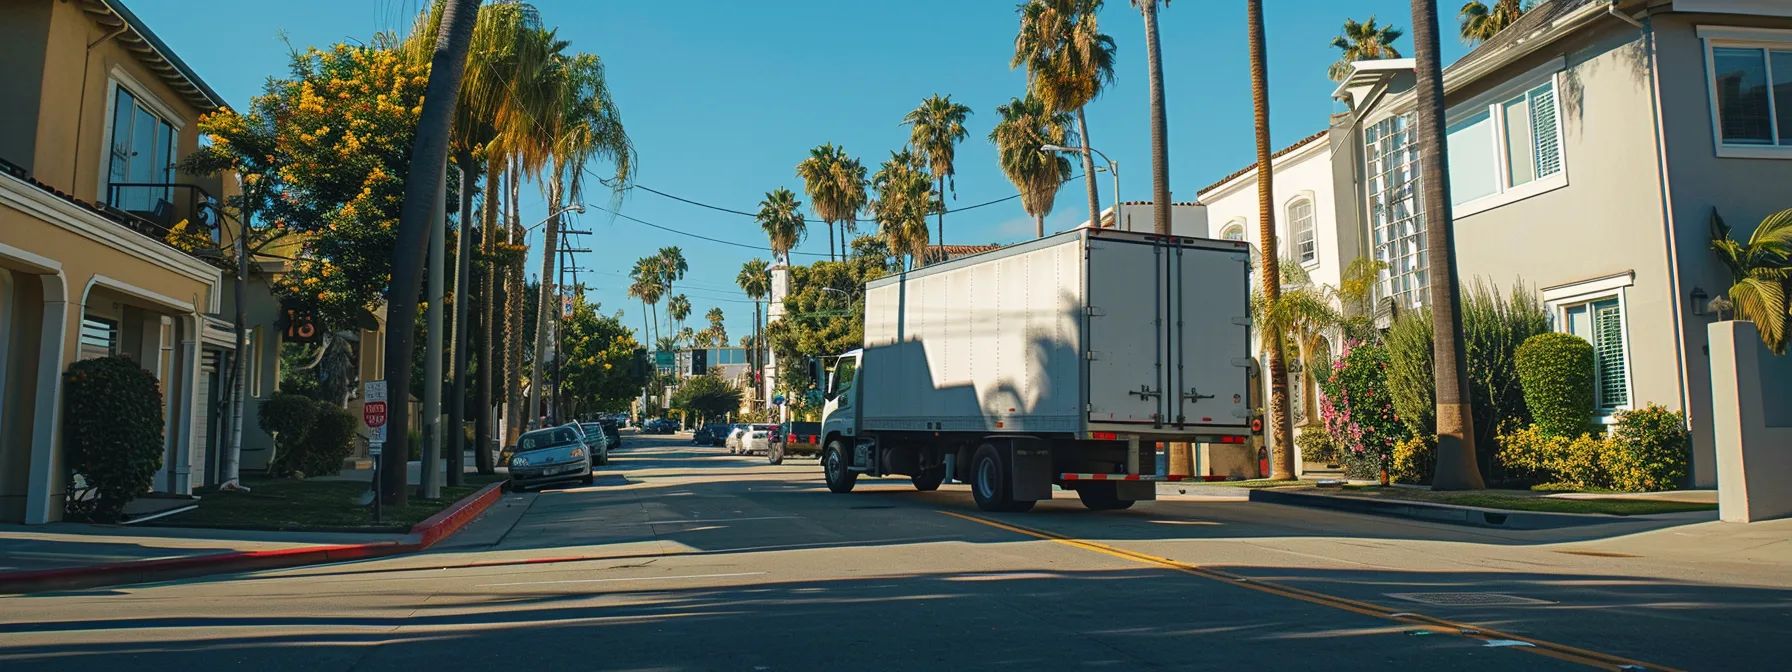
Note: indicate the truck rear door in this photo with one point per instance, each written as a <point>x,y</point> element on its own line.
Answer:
<point>1211,314</point>
<point>1126,337</point>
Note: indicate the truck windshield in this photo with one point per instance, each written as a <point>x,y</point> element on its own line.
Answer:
<point>843,374</point>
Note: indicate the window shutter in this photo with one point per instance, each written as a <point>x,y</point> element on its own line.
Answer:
<point>1544,130</point>
<point>1608,346</point>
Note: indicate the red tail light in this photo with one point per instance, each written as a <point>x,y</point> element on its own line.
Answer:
<point>1104,436</point>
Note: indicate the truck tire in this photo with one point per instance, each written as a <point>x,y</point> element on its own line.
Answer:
<point>834,468</point>
<point>776,454</point>
<point>929,479</point>
<point>990,482</point>
<point>1101,497</point>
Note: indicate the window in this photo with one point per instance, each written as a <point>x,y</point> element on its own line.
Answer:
<point>1233,231</point>
<point>1396,214</point>
<point>1300,221</point>
<point>1602,323</point>
<point>142,153</point>
<point>1506,144</point>
<point>1752,87</point>
<point>843,375</point>
<point>99,337</point>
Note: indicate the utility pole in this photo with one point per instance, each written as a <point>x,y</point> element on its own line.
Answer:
<point>428,480</point>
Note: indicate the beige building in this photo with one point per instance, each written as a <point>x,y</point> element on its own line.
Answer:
<point>95,111</point>
<point>1589,144</point>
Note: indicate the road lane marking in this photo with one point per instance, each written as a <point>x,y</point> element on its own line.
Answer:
<point>1541,647</point>
<point>636,578</point>
<point>713,520</point>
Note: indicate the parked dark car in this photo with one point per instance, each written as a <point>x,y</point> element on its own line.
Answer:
<point>549,456</point>
<point>710,435</point>
<point>795,438</point>
<point>611,431</point>
<point>659,426</point>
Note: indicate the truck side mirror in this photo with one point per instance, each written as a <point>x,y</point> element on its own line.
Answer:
<point>815,370</point>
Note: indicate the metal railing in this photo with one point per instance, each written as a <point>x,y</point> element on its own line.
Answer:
<point>154,208</point>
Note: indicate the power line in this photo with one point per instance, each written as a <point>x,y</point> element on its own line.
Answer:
<point>718,208</point>
<point>697,236</point>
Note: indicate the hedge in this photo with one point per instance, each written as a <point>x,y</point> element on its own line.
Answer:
<point>1650,450</point>
<point>1556,372</point>
<point>111,433</point>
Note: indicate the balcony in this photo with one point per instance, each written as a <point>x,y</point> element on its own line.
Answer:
<point>153,209</point>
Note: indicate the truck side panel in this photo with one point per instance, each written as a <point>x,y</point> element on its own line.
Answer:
<point>986,344</point>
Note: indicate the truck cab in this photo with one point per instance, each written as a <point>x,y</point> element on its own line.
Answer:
<point>840,410</point>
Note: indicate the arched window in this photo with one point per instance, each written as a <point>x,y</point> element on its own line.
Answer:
<point>1300,222</point>
<point>1233,231</point>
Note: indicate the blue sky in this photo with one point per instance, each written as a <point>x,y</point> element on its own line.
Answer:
<point>723,98</point>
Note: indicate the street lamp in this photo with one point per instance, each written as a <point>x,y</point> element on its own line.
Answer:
<point>1113,167</point>
<point>576,207</point>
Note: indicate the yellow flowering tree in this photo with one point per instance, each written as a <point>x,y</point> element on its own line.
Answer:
<point>598,365</point>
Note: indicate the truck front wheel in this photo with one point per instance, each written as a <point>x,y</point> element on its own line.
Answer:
<point>833,465</point>
<point>929,479</point>
<point>990,482</point>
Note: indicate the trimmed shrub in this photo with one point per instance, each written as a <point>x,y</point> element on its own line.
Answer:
<point>1358,412</point>
<point>111,434</point>
<point>329,441</point>
<point>1581,462</point>
<point>1649,450</point>
<point>1415,460</point>
<point>1317,446</point>
<point>1556,373</point>
<point>287,417</point>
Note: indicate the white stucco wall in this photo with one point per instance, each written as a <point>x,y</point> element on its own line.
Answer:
<point>1303,173</point>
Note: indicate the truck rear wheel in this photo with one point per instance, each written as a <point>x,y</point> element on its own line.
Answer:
<point>929,479</point>
<point>990,481</point>
<point>1101,497</point>
<point>840,477</point>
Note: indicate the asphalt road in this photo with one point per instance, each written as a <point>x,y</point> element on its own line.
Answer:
<point>685,558</point>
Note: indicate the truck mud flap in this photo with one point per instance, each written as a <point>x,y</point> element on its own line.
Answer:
<point>1138,491</point>
<point>1031,467</point>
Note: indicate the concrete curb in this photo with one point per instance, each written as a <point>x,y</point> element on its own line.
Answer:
<point>1438,513</point>
<point>422,536</point>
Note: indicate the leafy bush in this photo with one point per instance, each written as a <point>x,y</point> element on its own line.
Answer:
<point>1581,462</point>
<point>1317,446</point>
<point>1493,328</point>
<point>329,441</point>
<point>1556,372</point>
<point>288,417</point>
<point>1649,450</point>
<point>1358,412</point>
<point>111,432</point>
<point>1415,460</point>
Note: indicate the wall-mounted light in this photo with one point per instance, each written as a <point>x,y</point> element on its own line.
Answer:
<point>1699,299</point>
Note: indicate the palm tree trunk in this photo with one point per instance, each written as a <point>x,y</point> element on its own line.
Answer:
<point>941,240</point>
<point>831,242</point>
<point>513,305</point>
<point>482,425</point>
<point>1282,467</point>
<point>550,246</point>
<point>1456,467</point>
<point>430,154</point>
<point>1038,226</point>
<point>1082,128</point>
<point>463,252</point>
<point>1160,141</point>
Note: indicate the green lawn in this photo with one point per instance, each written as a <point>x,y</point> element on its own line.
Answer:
<point>312,505</point>
<point>1522,500</point>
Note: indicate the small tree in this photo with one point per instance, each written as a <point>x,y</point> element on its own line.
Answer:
<point>1359,414</point>
<point>111,434</point>
<point>706,397</point>
<point>1556,372</point>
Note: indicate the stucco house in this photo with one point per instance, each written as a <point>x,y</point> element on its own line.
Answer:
<point>1589,144</point>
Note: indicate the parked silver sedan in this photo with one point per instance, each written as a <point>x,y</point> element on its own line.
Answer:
<point>549,456</point>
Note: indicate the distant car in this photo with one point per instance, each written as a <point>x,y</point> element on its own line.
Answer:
<point>659,426</point>
<point>735,432</point>
<point>549,456</point>
<point>757,439</point>
<point>597,441</point>
<point>611,432</point>
<point>710,435</point>
<point>795,438</point>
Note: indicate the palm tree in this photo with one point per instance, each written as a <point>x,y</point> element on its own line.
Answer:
<point>936,128</point>
<point>1068,63</point>
<point>781,217</point>
<point>1282,468</point>
<point>678,308</point>
<point>1363,42</point>
<point>672,268</point>
<point>429,155</point>
<point>648,286</point>
<point>1160,132</point>
<point>1026,126</point>
<point>515,416</point>
<point>1457,468</point>
<point>756,281</point>
<point>904,195</point>
<point>835,184</point>
<point>1480,22</point>
<point>1760,274</point>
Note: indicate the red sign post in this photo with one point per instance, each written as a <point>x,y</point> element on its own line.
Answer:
<point>374,413</point>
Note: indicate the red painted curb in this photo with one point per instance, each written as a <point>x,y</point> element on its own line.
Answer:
<point>423,535</point>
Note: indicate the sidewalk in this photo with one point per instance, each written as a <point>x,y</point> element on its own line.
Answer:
<point>65,545</point>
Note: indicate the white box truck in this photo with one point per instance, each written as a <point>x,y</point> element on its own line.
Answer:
<point>1060,361</point>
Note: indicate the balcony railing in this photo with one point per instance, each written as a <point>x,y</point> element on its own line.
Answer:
<point>155,208</point>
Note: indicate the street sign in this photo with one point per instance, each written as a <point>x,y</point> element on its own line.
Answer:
<point>373,412</point>
<point>301,325</point>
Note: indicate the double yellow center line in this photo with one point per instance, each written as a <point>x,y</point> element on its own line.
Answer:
<point>1537,646</point>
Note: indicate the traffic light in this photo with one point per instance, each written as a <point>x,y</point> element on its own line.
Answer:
<point>638,365</point>
<point>699,362</point>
